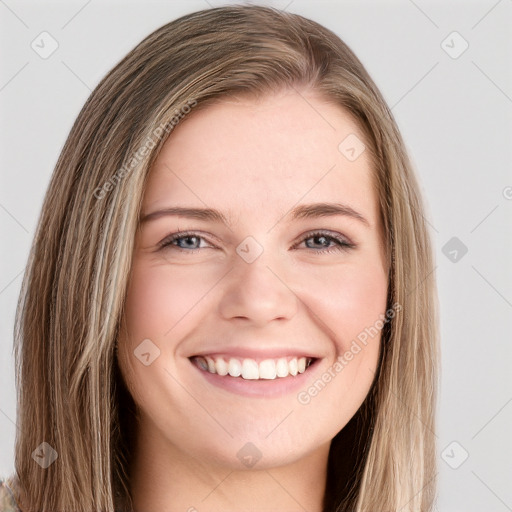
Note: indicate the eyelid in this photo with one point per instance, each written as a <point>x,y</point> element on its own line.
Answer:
<point>181,234</point>
<point>329,233</point>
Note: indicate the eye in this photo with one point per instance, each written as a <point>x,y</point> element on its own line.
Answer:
<point>190,242</point>
<point>183,241</point>
<point>325,240</point>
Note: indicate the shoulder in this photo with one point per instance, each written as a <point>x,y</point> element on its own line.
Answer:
<point>7,501</point>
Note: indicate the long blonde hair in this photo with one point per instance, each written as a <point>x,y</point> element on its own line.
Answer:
<point>70,393</point>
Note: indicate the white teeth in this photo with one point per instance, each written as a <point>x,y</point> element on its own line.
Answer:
<point>267,369</point>
<point>293,366</point>
<point>249,369</point>
<point>221,366</point>
<point>282,367</point>
<point>234,368</point>
<point>211,365</point>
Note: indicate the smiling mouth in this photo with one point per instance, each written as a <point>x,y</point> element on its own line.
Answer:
<point>250,369</point>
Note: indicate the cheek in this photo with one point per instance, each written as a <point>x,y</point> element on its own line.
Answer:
<point>349,305</point>
<point>161,300</point>
<point>156,307</point>
<point>362,300</point>
<point>164,305</point>
<point>348,299</point>
<point>161,305</point>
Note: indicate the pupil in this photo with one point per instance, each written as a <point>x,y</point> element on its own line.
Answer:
<point>189,240</point>
<point>320,239</point>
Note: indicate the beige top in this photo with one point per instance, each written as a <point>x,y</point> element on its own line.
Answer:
<point>7,501</point>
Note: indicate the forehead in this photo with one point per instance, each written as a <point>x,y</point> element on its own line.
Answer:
<point>264,156</point>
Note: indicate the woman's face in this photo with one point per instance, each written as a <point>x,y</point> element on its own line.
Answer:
<point>266,279</point>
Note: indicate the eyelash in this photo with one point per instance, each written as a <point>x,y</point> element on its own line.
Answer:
<point>342,244</point>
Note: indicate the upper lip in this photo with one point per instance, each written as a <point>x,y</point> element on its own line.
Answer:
<point>256,354</point>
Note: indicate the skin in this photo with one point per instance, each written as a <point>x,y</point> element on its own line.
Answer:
<point>253,161</point>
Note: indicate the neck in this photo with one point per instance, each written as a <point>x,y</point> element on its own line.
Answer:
<point>165,479</point>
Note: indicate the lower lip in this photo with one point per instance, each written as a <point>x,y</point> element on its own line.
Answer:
<point>277,387</point>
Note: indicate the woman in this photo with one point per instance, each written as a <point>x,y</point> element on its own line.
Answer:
<point>229,302</point>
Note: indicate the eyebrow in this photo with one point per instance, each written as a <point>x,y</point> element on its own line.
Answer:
<point>304,211</point>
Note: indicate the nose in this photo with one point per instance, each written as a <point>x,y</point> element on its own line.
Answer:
<point>257,292</point>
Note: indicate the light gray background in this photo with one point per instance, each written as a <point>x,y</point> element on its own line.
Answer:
<point>455,115</point>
